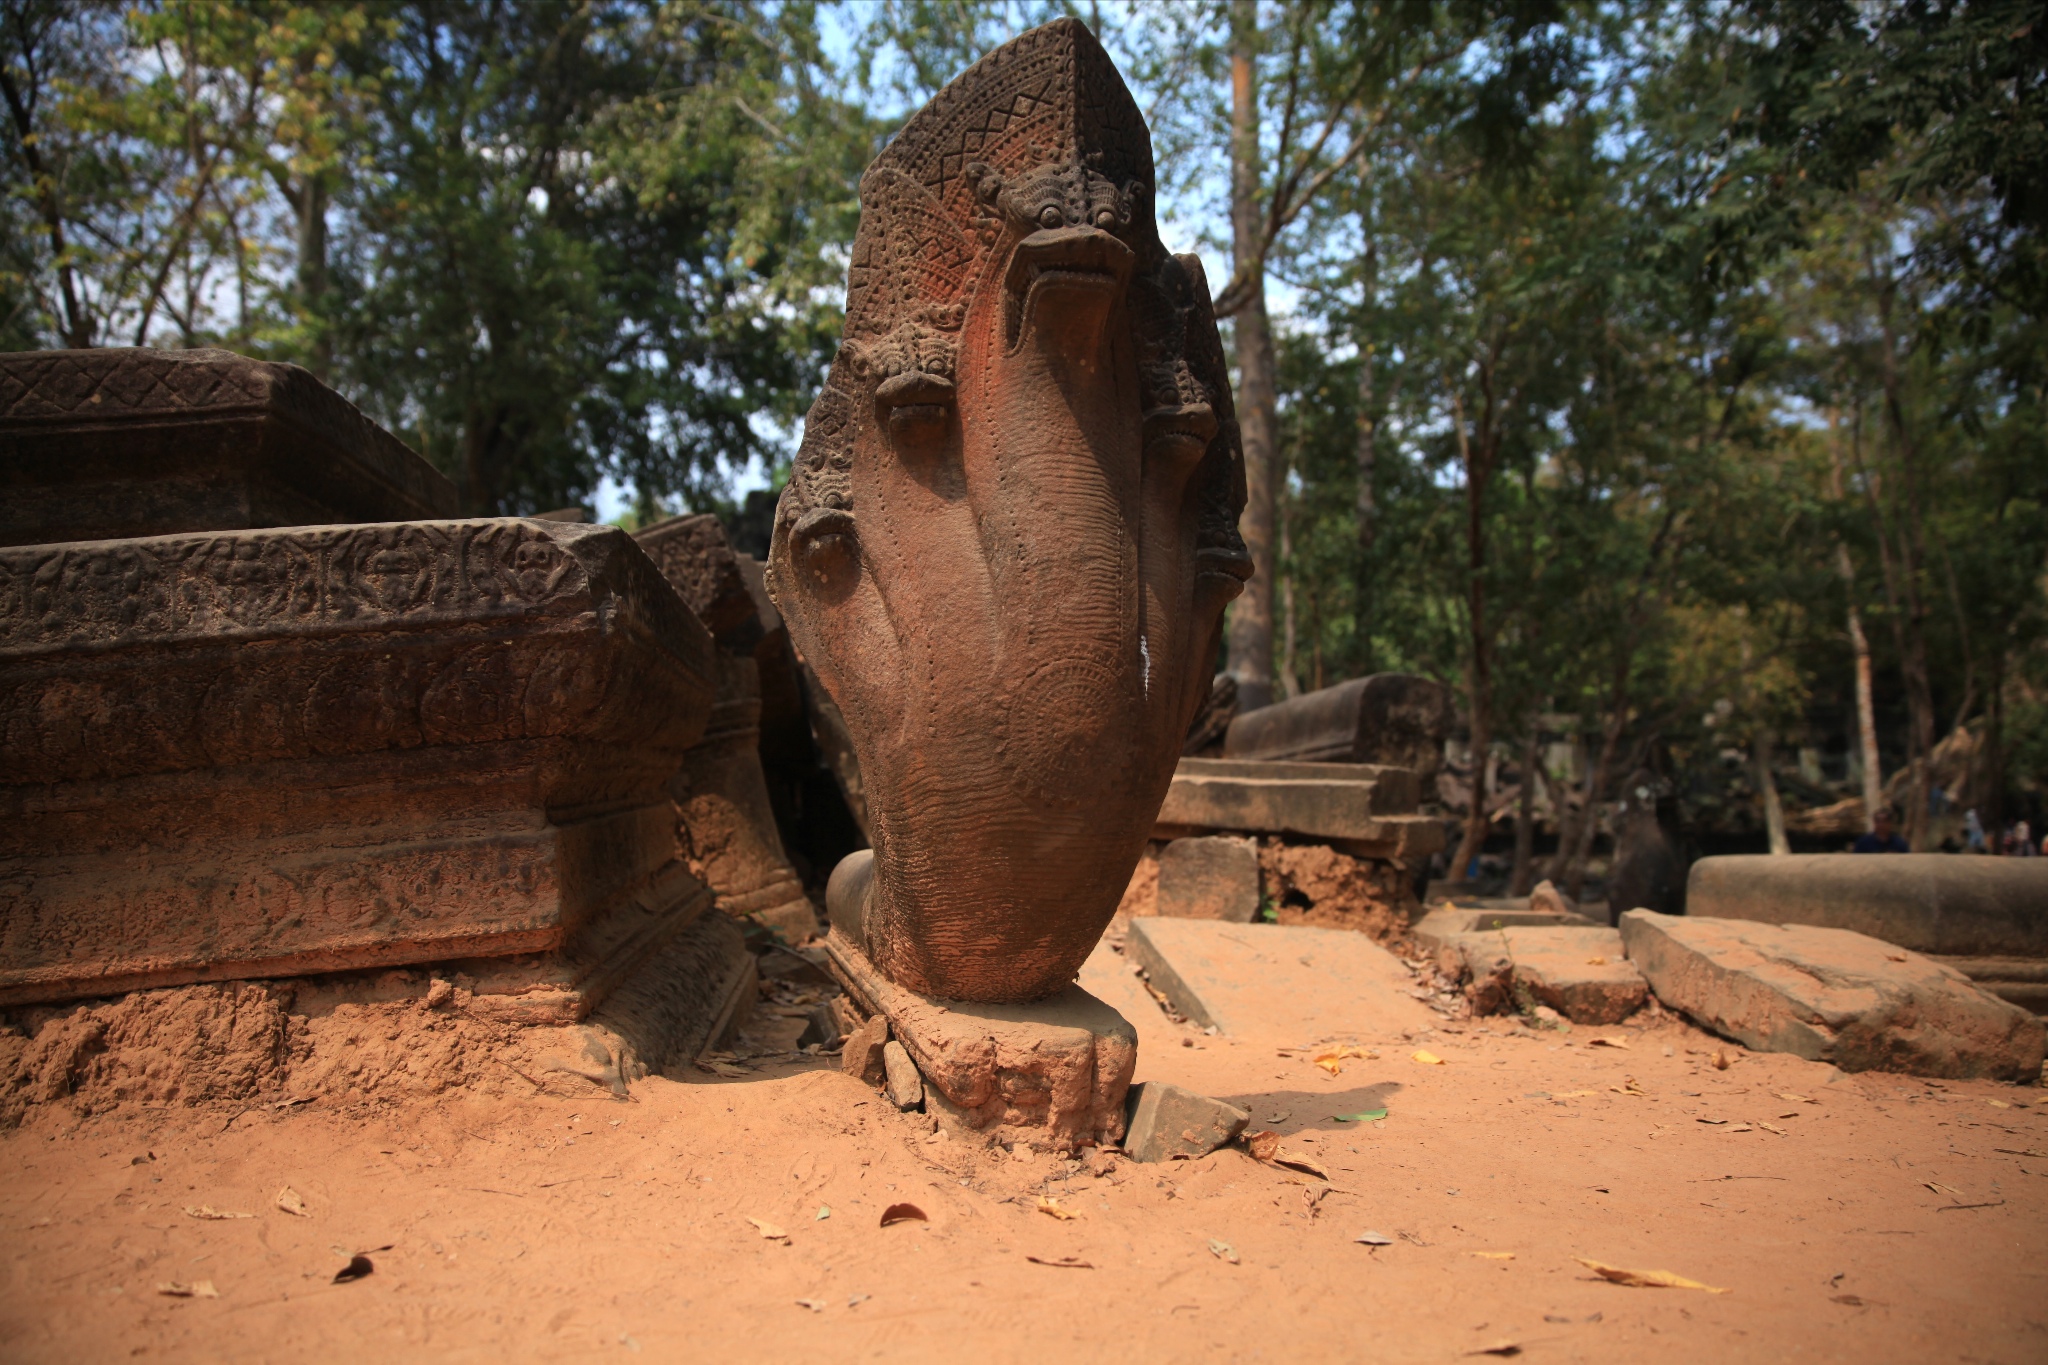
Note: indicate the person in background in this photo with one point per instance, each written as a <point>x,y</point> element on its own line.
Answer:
<point>1882,837</point>
<point>1973,832</point>
<point>2020,842</point>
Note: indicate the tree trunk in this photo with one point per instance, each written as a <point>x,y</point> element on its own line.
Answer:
<point>1767,794</point>
<point>1366,457</point>
<point>1251,616</point>
<point>1478,462</point>
<point>1859,643</point>
<point>312,213</point>
<point>1523,877</point>
<point>1290,678</point>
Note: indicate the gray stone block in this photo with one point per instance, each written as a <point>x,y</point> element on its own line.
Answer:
<point>906,1087</point>
<point>1929,902</point>
<point>1832,995</point>
<point>1167,1121</point>
<point>1210,877</point>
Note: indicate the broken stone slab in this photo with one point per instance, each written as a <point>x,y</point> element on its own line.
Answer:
<point>1364,810</point>
<point>1440,925</point>
<point>318,749</point>
<point>863,1058</point>
<point>1394,719</point>
<point>905,1086</point>
<point>1273,982</point>
<point>1577,970</point>
<point>1167,1121</point>
<point>1210,877</point>
<point>112,443</point>
<point>1943,903</point>
<point>1832,995</point>
<point>1053,1073</point>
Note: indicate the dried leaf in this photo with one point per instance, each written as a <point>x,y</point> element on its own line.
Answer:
<point>1222,1250</point>
<point>1573,1094</point>
<point>1720,1060</point>
<point>1997,1104</point>
<point>1710,1120</point>
<point>1427,1058</point>
<point>903,1213</point>
<point>1629,1087</point>
<point>1362,1116</point>
<point>1063,1263</point>
<point>1644,1279</point>
<point>1332,1059</point>
<point>1608,1040</point>
<point>1499,1348</point>
<point>210,1213</point>
<point>1262,1144</point>
<point>1940,1188</point>
<point>358,1266</point>
<point>1495,1255</point>
<point>1797,1099</point>
<point>1374,1239</point>
<point>289,1201</point>
<point>824,1212</point>
<point>1772,1128</point>
<point>768,1230</point>
<point>1052,1208</point>
<point>1265,1146</point>
<point>815,1305</point>
<point>198,1289</point>
<point>1596,962</point>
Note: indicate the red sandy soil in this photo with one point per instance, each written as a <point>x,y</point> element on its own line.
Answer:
<point>1885,1223</point>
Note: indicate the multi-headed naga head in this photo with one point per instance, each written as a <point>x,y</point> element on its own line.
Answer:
<point>1012,528</point>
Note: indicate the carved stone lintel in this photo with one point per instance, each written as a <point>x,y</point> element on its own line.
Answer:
<point>1053,1073</point>
<point>113,442</point>
<point>1395,719</point>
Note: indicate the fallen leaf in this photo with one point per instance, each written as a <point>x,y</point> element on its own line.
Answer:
<point>769,1231</point>
<point>1712,1120</point>
<point>1262,1144</point>
<point>903,1213</point>
<point>1940,1188</point>
<point>1495,1255</point>
<point>1052,1207</point>
<point>198,1289</point>
<point>1852,1300</point>
<point>1644,1279</point>
<point>1573,1094</point>
<point>1797,1099</point>
<point>1720,1060</point>
<point>1499,1348</point>
<point>1997,1104</point>
<point>1332,1059</point>
<point>1223,1251</point>
<point>1596,962</point>
<point>288,1200</point>
<point>210,1213</point>
<point>358,1266</point>
<point>815,1305</point>
<point>1428,1058</point>
<point>1063,1263</point>
<point>1363,1116</point>
<point>1792,1114</point>
<point>1374,1239</point>
<point>824,1212</point>
<point>1629,1087</point>
<point>1772,1128</point>
<point>1742,1128</point>
<point>1608,1041</point>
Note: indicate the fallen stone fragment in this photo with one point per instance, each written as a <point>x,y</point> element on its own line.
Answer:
<point>864,1057</point>
<point>1397,719</point>
<point>1436,928</point>
<point>1832,995</point>
<point>906,1087</point>
<point>1210,877</point>
<point>1578,970</point>
<point>1371,810</point>
<point>1167,1121</point>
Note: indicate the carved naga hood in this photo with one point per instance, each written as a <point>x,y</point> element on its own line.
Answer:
<point>1012,528</point>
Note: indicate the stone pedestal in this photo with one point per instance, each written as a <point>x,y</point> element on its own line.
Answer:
<point>1054,1073</point>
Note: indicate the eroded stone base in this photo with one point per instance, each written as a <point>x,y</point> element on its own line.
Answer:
<point>1053,1073</point>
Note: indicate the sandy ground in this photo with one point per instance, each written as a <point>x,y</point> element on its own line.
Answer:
<point>1890,1220</point>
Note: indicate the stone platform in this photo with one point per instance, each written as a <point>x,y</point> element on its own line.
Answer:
<point>281,752</point>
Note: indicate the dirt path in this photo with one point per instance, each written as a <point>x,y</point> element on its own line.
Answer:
<point>1890,1220</point>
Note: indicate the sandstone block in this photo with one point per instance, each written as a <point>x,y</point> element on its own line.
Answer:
<point>1396,719</point>
<point>115,442</point>
<point>1437,927</point>
<point>862,1057</point>
<point>1370,811</point>
<point>1831,995</point>
<point>275,752</point>
<point>1214,877</point>
<point>1929,902</point>
<point>1275,982</point>
<point>1579,971</point>
<point>1053,1073</point>
<point>1167,1121</point>
<point>905,1086</point>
